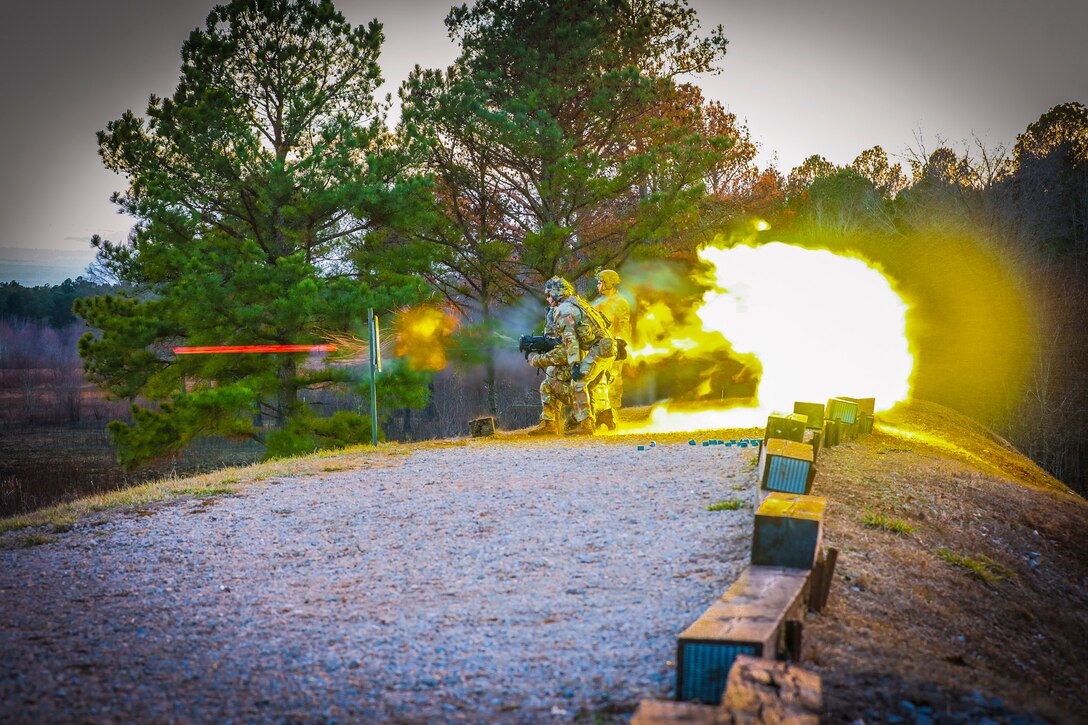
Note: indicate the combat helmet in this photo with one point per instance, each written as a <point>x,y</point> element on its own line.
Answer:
<point>558,288</point>
<point>608,278</point>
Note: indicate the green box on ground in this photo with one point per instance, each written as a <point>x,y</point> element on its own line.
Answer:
<point>787,466</point>
<point>813,411</point>
<point>789,531</point>
<point>482,427</point>
<point>748,619</point>
<point>841,409</point>
<point>865,405</point>
<point>789,427</point>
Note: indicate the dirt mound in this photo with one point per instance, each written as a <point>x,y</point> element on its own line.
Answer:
<point>962,583</point>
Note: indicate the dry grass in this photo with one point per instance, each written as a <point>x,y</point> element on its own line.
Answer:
<point>228,480</point>
<point>984,568</point>
<point>731,504</point>
<point>35,540</point>
<point>224,480</point>
<point>219,482</point>
<point>887,523</point>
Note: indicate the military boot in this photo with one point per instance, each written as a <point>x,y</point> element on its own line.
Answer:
<point>584,428</point>
<point>545,428</point>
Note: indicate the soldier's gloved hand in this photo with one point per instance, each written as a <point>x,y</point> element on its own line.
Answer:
<point>534,359</point>
<point>576,371</point>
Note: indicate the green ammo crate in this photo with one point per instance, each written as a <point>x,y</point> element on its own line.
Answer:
<point>813,411</point>
<point>841,409</point>
<point>865,405</point>
<point>786,466</point>
<point>788,531</point>
<point>787,427</point>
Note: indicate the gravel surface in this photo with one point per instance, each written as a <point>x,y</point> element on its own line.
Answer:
<point>510,580</point>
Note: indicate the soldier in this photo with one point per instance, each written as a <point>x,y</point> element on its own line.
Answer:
<point>617,311</point>
<point>586,347</point>
<point>557,389</point>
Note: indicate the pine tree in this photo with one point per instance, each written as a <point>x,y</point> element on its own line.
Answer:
<point>563,141</point>
<point>250,185</point>
<point>560,141</point>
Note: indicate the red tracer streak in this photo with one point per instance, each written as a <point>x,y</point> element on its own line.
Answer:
<point>252,348</point>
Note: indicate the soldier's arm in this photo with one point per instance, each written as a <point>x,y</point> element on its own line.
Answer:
<point>568,333</point>
<point>622,324</point>
<point>567,352</point>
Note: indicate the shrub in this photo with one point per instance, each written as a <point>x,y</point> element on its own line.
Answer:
<point>885,523</point>
<point>307,435</point>
<point>983,568</point>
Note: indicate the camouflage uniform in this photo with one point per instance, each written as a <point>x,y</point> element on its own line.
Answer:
<point>556,392</point>
<point>557,389</point>
<point>584,342</point>
<point>617,311</point>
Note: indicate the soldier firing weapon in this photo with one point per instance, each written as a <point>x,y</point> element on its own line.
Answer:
<point>536,343</point>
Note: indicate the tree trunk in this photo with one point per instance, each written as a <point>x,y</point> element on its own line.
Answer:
<point>489,365</point>
<point>287,396</point>
<point>490,383</point>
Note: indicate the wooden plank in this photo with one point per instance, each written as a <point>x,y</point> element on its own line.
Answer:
<point>815,439</point>
<point>662,712</point>
<point>748,618</point>
<point>832,433</point>
<point>827,576</point>
<point>794,632</point>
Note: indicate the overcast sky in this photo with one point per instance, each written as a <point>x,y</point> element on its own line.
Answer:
<point>832,77</point>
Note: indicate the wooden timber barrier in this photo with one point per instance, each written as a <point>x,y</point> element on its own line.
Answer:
<point>737,661</point>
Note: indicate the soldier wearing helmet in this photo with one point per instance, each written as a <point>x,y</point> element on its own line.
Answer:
<point>586,348</point>
<point>617,310</point>
<point>557,389</point>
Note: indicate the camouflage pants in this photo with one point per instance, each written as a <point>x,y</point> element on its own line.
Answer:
<point>584,397</point>
<point>591,392</point>
<point>555,392</point>
<point>615,385</point>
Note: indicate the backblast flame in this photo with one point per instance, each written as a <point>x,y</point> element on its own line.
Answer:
<point>820,325</point>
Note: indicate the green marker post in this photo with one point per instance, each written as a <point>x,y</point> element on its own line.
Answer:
<point>375,368</point>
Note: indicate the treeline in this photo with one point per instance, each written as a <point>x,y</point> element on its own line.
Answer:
<point>990,246</point>
<point>47,304</point>
<point>275,205</point>
<point>41,377</point>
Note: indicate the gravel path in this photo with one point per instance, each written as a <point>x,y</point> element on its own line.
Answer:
<point>509,580</point>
